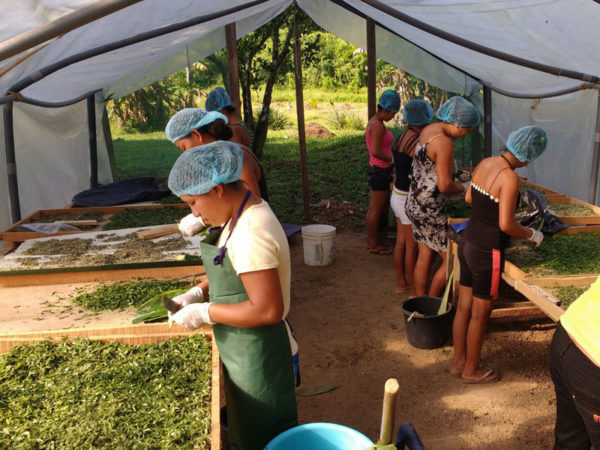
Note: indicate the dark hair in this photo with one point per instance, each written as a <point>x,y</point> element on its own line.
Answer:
<point>230,109</point>
<point>217,129</point>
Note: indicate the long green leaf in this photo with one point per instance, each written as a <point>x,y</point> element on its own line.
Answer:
<point>153,308</point>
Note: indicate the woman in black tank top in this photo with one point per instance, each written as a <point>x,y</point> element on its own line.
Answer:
<point>493,195</point>
<point>417,114</point>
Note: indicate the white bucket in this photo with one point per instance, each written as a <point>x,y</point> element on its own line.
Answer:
<point>318,243</point>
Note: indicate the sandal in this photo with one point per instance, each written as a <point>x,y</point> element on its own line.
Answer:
<point>381,251</point>
<point>485,378</point>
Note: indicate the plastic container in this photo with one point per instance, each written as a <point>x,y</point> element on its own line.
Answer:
<point>318,241</point>
<point>427,329</point>
<point>320,436</point>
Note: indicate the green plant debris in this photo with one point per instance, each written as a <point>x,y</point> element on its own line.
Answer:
<point>122,295</point>
<point>458,208</point>
<point>82,253</point>
<point>87,394</point>
<point>570,209</point>
<point>168,200</point>
<point>523,186</point>
<point>63,217</point>
<point>567,294</point>
<point>131,218</point>
<point>68,247</point>
<point>558,255</point>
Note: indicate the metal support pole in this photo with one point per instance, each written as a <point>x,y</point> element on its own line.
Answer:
<point>11,164</point>
<point>596,158</point>
<point>301,131</point>
<point>371,69</point>
<point>233,75</point>
<point>91,116</point>
<point>487,125</point>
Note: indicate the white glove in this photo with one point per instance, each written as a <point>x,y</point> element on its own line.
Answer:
<point>193,316</point>
<point>466,185</point>
<point>536,237</point>
<point>190,225</point>
<point>194,295</point>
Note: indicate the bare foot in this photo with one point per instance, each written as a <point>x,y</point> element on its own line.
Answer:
<point>402,288</point>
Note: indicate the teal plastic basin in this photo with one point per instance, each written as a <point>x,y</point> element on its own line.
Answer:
<point>320,436</point>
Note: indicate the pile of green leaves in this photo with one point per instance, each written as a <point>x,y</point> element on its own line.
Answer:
<point>131,218</point>
<point>122,295</point>
<point>568,294</point>
<point>560,255</point>
<point>63,217</point>
<point>570,210</point>
<point>87,394</point>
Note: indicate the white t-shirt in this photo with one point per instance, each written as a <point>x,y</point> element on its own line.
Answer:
<point>258,243</point>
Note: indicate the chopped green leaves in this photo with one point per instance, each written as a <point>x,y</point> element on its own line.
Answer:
<point>86,394</point>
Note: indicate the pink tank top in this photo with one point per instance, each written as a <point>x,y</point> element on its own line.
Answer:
<point>386,147</point>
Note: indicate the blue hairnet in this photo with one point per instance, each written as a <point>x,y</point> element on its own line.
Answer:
<point>527,143</point>
<point>217,99</point>
<point>188,119</point>
<point>201,168</point>
<point>417,112</point>
<point>459,112</point>
<point>389,100</point>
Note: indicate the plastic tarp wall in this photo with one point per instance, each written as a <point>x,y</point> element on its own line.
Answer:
<point>51,145</point>
<point>53,158</point>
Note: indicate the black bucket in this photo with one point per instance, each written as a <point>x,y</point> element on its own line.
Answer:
<point>426,329</point>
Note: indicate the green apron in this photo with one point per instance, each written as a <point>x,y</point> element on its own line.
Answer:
<point>258,372</point>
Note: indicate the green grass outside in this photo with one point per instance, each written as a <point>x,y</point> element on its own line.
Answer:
<point>336,165</point>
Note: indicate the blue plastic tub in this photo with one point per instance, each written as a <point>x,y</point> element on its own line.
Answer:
<point>320,436</point>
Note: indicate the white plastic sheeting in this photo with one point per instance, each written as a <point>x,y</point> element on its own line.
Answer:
<point>561,33</point>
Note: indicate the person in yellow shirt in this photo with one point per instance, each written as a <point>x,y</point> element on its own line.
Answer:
<point>575,371</point>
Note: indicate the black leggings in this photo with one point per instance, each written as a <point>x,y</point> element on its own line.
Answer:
<point>577,385</point>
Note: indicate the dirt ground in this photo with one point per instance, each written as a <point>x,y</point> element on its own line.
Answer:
<point>350,327</point>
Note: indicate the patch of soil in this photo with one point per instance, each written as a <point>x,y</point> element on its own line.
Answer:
<point>342,215</point>
<point>350,327</point>
<point>315,130</point>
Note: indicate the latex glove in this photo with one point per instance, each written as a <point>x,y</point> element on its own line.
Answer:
<point>194,295</point>
<point>466,185</point>
<point>537,237</point>
<point>193,316</point>
<point>190,225</point>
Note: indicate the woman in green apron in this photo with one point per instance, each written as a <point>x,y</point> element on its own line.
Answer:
<point>248,287</point>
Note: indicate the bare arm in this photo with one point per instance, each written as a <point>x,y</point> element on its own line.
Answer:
<point>441,152</point>
<point>377,130</point>
<point>509,191</point>
<point>263,307</point>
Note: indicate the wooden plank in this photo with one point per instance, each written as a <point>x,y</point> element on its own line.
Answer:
<point>513,271</point>
<point>217,398</point>
<point>33,279</point>
<point>158,232</point>
<point>12,233</point>
<point>551,309</point>
<point>563,280</point>
<point>514,312</point>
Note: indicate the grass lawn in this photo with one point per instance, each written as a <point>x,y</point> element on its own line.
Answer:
<point>336,165</point>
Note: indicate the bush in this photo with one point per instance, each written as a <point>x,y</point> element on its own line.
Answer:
<point>278,120</point>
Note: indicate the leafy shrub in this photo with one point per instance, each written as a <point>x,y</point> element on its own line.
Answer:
<point>343,120</point>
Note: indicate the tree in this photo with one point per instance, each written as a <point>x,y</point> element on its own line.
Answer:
<point>259,67</point>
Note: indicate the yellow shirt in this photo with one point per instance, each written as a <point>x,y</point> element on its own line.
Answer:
<point>582,321</point>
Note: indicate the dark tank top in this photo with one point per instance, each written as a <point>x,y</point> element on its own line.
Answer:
<point>483,228</point>
<point>404,145</point>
